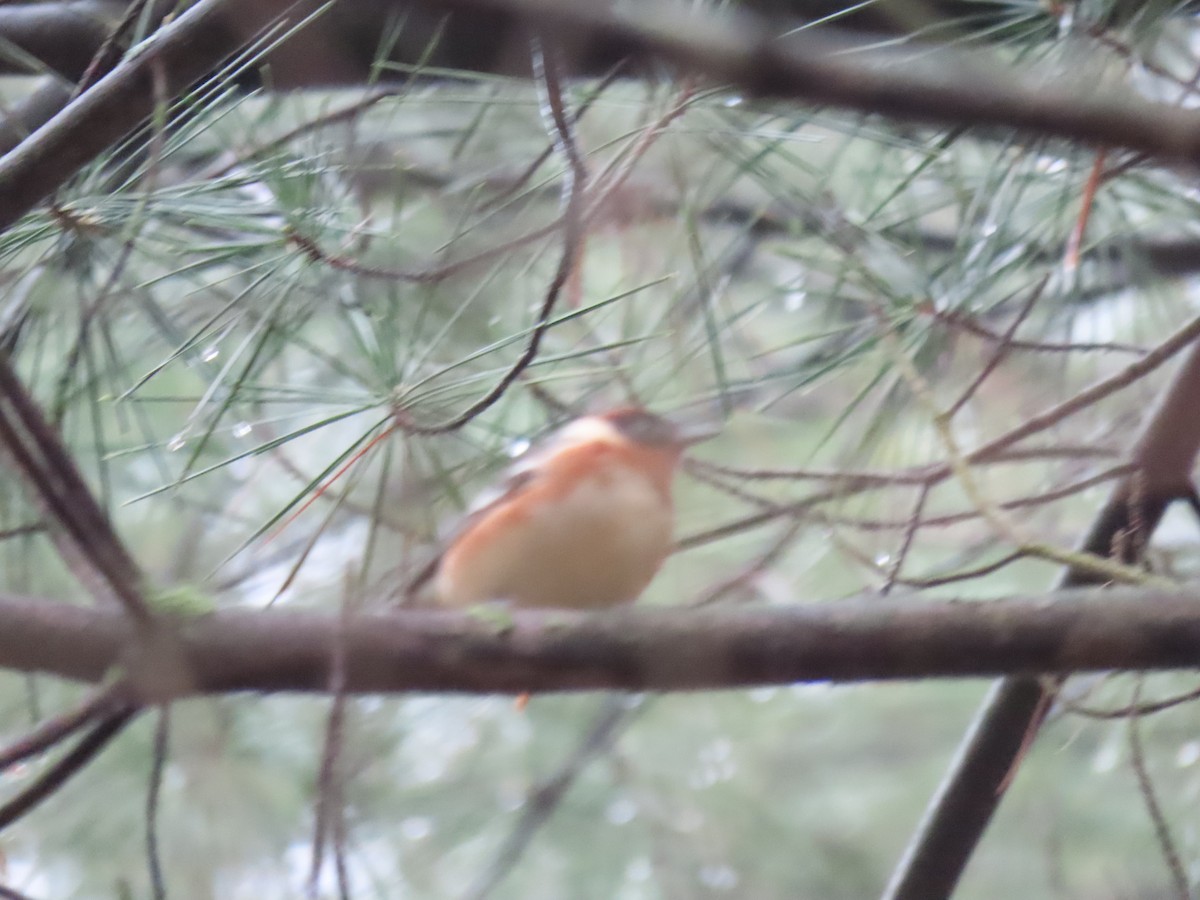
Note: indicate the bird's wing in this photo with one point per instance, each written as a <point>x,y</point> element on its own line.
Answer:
<point>517,479</point>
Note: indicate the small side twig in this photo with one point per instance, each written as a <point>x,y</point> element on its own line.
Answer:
<point>330,812</point>
<point>70,764</point>
<point>1162,830</point>
<point>545,799</point>
<point>910,534</point>
<point>1002,348</point>
<point>1125,712</point>
<point>574,186</point>
<point>34,448</point>
<point>162,734</point>
<point>104,57</point>
<point>54,731</point>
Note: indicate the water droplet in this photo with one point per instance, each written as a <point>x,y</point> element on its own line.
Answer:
<point>241,429</point>
<point>1106,758</point>
<point>510,798</point>
<point>211,353</point>
<point>177,443</point>
<point>516,447</point>
<point>719,877</point>
<point>1188,754</point>
<point>1066,19</point>
<point>416,828</point>
<point>734,100</point>
<point>763,695</point>
<point>793,301</point>
<point>621,811</point>
<point>883,559</point>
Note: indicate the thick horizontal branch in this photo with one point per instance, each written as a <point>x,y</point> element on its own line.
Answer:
<point>630,649</point>
<point>918,83</point>
<point>739,47</point>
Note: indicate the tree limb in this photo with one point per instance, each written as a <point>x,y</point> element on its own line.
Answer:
<point>187,49</point>
<point>963,806</point>
<point>631,649</point>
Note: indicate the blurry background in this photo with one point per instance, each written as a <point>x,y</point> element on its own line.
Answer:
<point>222,312</point>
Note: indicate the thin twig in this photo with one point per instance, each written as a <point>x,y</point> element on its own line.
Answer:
<point>910,533</point>
<point>341,114</point>
<point>104,56</point>
<point>920,474</point>
<point>995,514</point>
<point>35,449</point>
<point>59,728</point>
<point>73,762</point>
<point>755,567</point>
<point>1094,393</point>
<point>1001,350</point>
<point>574,187</point>
<point>546,797</point>
<point>964,574</point>
<point>601,86</point>
<point>1075,239</point>
<point>1162,830</point>
<point>971,326</point>
<point>1125,712</point>
<point>604,188</point>
<point>162,733</point>
<point>330,812</point>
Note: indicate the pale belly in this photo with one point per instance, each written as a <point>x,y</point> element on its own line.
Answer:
<point>598,546</point>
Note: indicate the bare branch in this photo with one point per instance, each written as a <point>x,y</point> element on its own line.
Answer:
<point>187,49</point>
<point>1162,830</point>
<point>960,811</point>
<point>59,728</point>
<point>873,638</point>
<point>574,191</point>
<point>58,774</point>
<point>32,447</point>
<point>824,66</point>
<point>162,733</point>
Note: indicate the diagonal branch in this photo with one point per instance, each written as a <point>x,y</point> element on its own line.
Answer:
<point>33,448</point>
<point>70,764</point>
<point>971,791</point>
<point>186,49</point>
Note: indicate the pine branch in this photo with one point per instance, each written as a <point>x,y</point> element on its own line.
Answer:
<point>634,650</point>
<point>960,811</point>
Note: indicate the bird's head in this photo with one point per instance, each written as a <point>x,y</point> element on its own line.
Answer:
<point>633,427</point>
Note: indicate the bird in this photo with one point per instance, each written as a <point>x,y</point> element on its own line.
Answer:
<point>583,521</point>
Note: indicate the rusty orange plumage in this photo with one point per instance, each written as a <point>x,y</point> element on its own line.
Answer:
<point>584,522</point>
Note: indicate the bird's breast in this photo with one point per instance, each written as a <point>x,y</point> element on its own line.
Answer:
<point>593,542</point>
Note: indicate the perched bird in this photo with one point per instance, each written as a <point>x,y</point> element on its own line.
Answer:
<point>582,522</point>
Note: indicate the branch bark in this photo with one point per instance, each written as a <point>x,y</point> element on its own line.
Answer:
<point>964,804</point>
<point>632,650</point>
<point>187,49</point>
<point>824,66</point>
